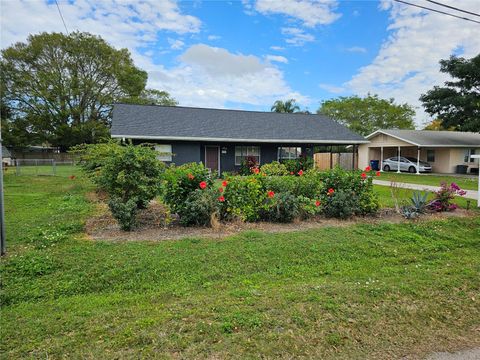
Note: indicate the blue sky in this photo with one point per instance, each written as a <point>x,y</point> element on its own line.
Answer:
<point>246,54</point>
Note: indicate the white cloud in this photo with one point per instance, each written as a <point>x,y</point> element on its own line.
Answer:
<point>122,24</point>
<point>205,76</point>
<point>276,58</point>
<point>277,48</point>
<point>310,12</point>
<point>175,44</point>
<point>209,76</point>
<point>332,88</point>
<point>407,63</point>
<point>357,49</point>
<point>296,36</point>
<point>214,37</point>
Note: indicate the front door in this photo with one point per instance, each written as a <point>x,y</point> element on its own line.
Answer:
<point>212,158</point>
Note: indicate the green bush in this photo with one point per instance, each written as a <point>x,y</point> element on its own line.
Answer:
<point>125,212</point>
<point>274,169</point>
<point>308,185</point>
<point>350,184</point>
<point>341,204</point>
<point>244,195</point>
<point>308,207</point>
<point>181,181</point>
<point>247,165</point>
<point>199,207</point>
<point>302,163</point>
<point>282,207</point>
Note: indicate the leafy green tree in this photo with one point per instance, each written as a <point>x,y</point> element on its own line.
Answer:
<point>65,85</point>
<point>365,115</point>
<point>152,97</point>
<point>287,106</point>
<point>457,104</point>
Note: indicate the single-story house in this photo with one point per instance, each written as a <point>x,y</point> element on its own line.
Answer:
<point>444,150</point>
<point>6,156</point>
<point>222,139</point>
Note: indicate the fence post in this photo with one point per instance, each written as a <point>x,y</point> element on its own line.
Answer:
<point>54,164</point>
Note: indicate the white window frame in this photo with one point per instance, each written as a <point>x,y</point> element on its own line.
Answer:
<point>467,158</point>
<point>165,152</point>
<point>246,154</point>
<point>297,152</point>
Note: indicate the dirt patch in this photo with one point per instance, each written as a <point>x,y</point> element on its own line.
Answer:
<point>153,225</point>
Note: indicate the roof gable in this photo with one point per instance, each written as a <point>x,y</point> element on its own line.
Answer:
<point>432,138</point>
<point>184,123</point>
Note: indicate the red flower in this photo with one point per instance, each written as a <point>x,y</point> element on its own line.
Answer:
<point>221,198</point>
<point>72,177</point>
<point>291,172</point>
<point>203,185</point>
<point>270,194</point>
<point>378,173</point>
<point>368,168</point>
<point>317,203</point>
<point>224,183</point>
<point>220,189</point>
<point>300,172</point>
<point>255,170</point>
<point>330,191</point>
<point>191,177</point>
<point>364,176</point>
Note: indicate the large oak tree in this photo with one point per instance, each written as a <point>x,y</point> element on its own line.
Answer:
<point>457,104</point>
<point>365,115</point>
<point>60,88</point>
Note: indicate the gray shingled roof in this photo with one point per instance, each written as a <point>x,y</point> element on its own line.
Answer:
<point>184,123</point>
<point>6,153</point>
<point>434,138</point>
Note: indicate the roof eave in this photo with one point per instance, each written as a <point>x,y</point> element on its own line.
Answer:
<point>293,141</point>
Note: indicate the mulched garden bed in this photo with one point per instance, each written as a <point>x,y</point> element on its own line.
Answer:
<point>153,227</point>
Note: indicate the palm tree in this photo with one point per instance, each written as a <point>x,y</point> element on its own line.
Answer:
<point>287,106</point>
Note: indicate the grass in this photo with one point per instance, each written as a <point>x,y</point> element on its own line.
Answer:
<point>363,291</point>
<point>467,183</point>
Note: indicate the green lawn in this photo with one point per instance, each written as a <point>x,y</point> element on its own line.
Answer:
<point>363,291</point>
<point>467,183</point>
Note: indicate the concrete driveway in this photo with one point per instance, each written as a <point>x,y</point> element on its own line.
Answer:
<point>471,194</point>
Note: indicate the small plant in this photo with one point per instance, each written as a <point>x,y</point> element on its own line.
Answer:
<point>444,197</point>
<point>247,165</point>
<point>409,212</point>
<point>282,207</point>
<point>274,169</point>
<point>419,201</point>
<point>125,212</point>
<point>339,204</point>
<point>199,208</point>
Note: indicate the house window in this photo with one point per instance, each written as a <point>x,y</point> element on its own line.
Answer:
<point>242,152</point>
<point>468,153</point>
<point>430,155</point>
<point>164,152</point>
<point>289,153</point>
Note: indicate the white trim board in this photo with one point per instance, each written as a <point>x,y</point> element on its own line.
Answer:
<point>285,141</point>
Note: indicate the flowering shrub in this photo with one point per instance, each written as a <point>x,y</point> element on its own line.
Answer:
<point>309,207</point>
<point>274,169</point>
<point>308,184</point>
<point>302,163</point>
<point>282,207</point>
<point>199,207</point>
<point>341,204</point>
<point>243,197</point>
<point>444,197</point>
<point>180,181</point>
<point>247,165</point>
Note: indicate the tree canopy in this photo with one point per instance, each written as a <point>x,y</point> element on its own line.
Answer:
<point>457,104</point>
<point>287,106</point>
<point>365,115</point>
<point>152,97</point>
<point>59,89</point>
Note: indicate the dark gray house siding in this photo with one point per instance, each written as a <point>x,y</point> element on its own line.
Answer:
<point>191,130</point>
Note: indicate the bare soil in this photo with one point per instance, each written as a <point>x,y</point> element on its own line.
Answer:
<point>154,226</point>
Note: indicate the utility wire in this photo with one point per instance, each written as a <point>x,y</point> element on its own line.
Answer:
<point>63,20</point>
<point>438,11</point>
<point>453,8</point>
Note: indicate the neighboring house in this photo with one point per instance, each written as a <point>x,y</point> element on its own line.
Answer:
<point>222,139</point>
<point>6,156</point>
<point>444,150</point>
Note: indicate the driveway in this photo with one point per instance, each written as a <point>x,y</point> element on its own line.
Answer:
<point>471,194</point>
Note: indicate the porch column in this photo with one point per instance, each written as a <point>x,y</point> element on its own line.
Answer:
<point>398,161</point>
<point>381,158</point>
<point>418,160</point>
